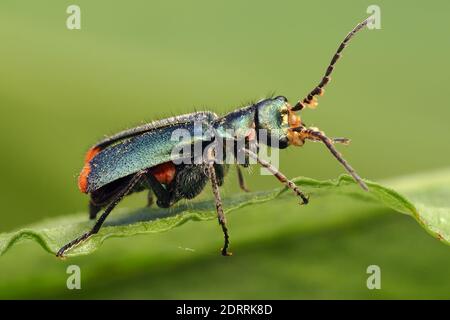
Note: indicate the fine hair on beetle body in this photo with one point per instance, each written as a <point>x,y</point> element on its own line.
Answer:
<point>175,158</point>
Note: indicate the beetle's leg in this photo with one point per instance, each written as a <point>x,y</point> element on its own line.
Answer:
<point>161,193</point>
<point>101,198</point>
<point>281,177</point>
<point>219,207</point>
<point>241,180</point>
<point>136,178</point>
<point>93,209</point>
<point>316,134</point>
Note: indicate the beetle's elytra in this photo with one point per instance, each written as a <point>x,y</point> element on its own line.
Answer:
<point>142,158</point>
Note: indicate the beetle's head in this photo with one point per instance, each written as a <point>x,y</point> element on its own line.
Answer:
<point>280,120</point>
<point>283,124</point>
<point>277,118</point>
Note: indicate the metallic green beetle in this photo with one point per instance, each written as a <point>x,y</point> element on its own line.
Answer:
<point>143,158</point>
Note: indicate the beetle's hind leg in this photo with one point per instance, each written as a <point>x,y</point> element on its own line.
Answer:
<point>128,188</point>
<point>281,177</point>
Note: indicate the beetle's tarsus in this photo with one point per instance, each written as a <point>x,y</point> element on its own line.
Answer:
<point>73,243</point>
<point>225,251</point>
<point>305,199</point>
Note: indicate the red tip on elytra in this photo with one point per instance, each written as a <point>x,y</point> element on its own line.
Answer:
<point>91,154</point>
<point>83,177</point>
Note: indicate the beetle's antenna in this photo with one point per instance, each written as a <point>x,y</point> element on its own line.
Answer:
<point>311,100</point>
<point>318,135</point>
<point>345,141</point>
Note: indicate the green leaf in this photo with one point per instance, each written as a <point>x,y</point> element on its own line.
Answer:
<point>426,199</point>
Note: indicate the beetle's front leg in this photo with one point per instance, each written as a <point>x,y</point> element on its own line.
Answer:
<point>281,177</point>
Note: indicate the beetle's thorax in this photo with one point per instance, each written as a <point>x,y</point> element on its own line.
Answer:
<point>239,123</point>
<point>269,120</point>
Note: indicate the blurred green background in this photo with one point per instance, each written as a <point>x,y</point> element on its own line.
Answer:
<point>132,62</point>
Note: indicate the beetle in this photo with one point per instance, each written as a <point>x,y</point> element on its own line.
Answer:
<point>142,158</point>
